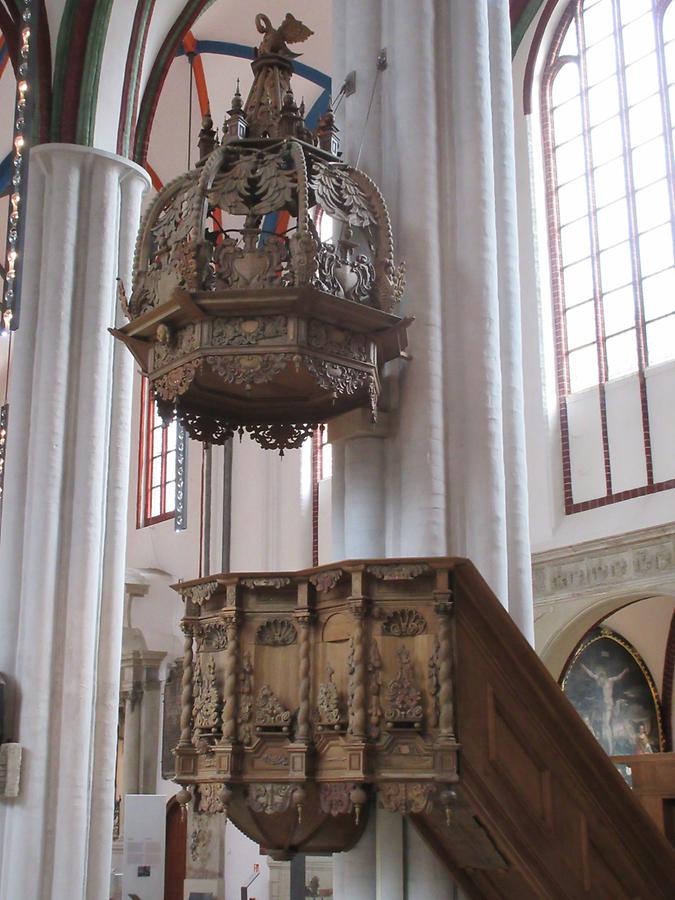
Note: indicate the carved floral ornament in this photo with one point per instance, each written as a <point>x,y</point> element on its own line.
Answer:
<point>326,580</point>
<point>324,322</point>
<point>199,593</point>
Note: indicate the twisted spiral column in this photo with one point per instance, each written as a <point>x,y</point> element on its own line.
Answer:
<point>446,718</point>
<point>229,721</point>
<point>302,733</point>
<point>186,696</point>
<point>357,711</point>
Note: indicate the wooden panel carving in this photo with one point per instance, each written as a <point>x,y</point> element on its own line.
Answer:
<point>319,679</point>
<point>522,804</point>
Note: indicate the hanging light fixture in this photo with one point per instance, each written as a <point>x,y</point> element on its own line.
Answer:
<point>245,325</point>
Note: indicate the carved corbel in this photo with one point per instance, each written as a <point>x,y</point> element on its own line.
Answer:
<point>406,798</point>
<point>214,798</point>
<point>326,581</point>
<point>335,798</point>
<point>198,594</point>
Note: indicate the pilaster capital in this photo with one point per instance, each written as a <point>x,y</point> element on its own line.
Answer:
<point>80,156</point>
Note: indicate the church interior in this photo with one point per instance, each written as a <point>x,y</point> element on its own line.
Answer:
<point>337,534</point>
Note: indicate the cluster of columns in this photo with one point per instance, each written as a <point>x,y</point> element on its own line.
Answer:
<point>64,523</point>
<point>443,472</point>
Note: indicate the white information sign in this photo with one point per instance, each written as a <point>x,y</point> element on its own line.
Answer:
<point>144,826</point>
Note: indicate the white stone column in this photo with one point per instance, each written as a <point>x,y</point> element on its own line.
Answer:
<point>439,144</point>
<point>64,521</point>
<point>426,876</point>
<point>131,763</point>
<point>359,507</point>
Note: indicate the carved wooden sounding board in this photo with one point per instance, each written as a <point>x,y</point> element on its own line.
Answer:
<point>306,693</point>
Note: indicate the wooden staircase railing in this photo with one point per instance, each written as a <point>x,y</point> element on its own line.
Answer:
<point>530,772</point>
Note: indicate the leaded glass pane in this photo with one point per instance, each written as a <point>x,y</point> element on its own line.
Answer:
<point>646,120</point>
<point>639,38</point>
<point>610,182</point>
<point>598,22</point>
<point>649,163</point>
<point>619,310</point>
<point>567,121</point>
<point>660,340</point>
<point>156,501</point>
<point>578,282</point>
<point>656,250</point>
<point>668,24</point>
<point>171,466</point>
<point>603,101</point>
<point>170,496</point>
<point>583,368</point>
<point>622,356</point>
<point>576,240</point>
<point>607,141</point>
<point>565,84</point>
<point>642,80</point>
<point>634,9</point>
<point>613,224</point>
<point>652,206</point>
<point>580,325</point>
<point>658,293</point>
<point>573,200</point>
<point>615,266</point>
<point>570,160</point>
<point>601,61</point>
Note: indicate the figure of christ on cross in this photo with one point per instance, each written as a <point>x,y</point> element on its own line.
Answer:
<point>606,685</point>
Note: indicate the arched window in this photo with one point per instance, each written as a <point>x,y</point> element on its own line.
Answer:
<point>157,464</point>
<point>608,109</point>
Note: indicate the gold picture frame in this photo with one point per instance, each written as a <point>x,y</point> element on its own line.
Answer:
<point>612,689</point>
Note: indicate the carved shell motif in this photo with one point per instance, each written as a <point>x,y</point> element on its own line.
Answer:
<point>404,623</point>
<point>276,633</point>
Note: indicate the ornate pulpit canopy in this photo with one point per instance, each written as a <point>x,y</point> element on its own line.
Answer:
<point>265,284</point>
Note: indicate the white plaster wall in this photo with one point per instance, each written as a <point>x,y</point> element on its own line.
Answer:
<point>241,855</point>
<point>271,508</point>
<point>550,527</point>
